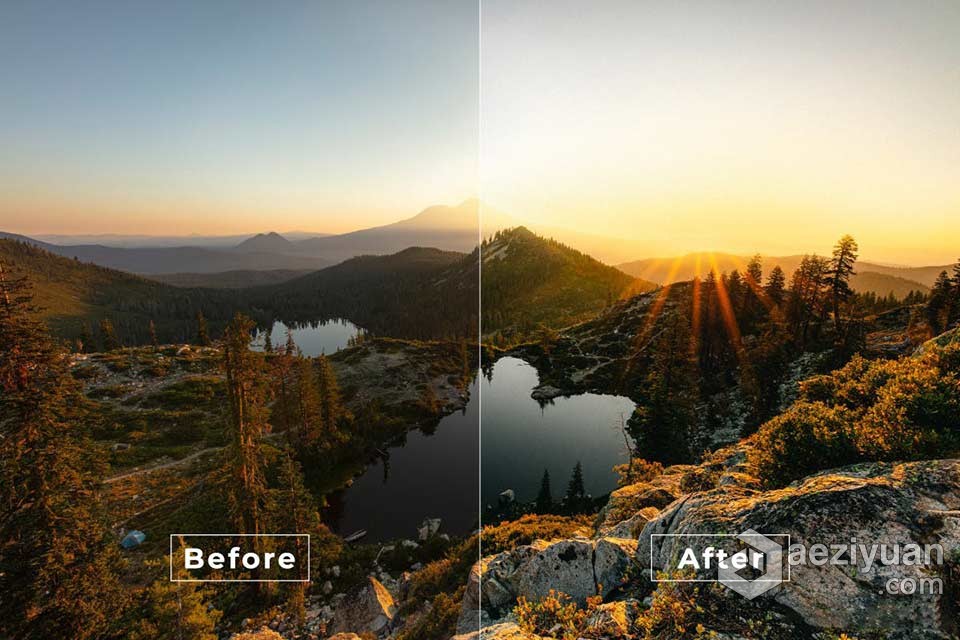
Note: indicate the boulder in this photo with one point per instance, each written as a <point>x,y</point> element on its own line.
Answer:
<point>612,561</point>
<point>891,504</point>
<point>629,528</point>
<point>472,612</point>
<point>572,567</point>
<point>633,498</point>
<point>368,609</point>
<point>428,528</point>
<point>345,636</point>
<point>565,566</point>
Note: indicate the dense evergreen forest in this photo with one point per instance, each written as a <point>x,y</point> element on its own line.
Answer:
<point>76,298</point>
<point>417,293</point>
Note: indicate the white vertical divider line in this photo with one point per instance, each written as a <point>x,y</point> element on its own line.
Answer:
<point>479,177</point>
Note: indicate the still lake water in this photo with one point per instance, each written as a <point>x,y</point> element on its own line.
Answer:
<point>520,438</point>
<point>432,475</point>
<point>435,475</point>
<point>325,337</point>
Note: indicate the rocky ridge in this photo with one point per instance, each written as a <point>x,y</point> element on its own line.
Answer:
<point>876,503</point>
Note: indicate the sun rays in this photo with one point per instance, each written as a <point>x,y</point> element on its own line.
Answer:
<point>710,303</point>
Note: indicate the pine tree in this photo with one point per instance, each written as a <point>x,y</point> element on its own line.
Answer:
<point>203,336</point>
<point>938,306</point>
<point>176,610</point>
<point>663,423</point>
<point>331,407</point>
<point>290,346</point>
<point>309,407</point>
<point>576,493</point>
<point>734,284</point>
<point>544,502</point>
<point>282,412</point>
<point>754,274</point>
<point>294,509</point>
<point>246,394</point>
<point>752,291</point>
<point>776,285</point>
<point>84,341</point>
<point>841,269</point>
<point>955,294</point>
<point>267,342</point>
<point>152,331</point>
<point>806,301</point>
<point>58,569</point>
<point>108,335</point>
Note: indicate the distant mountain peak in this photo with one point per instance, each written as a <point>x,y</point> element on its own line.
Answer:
<point>269,242</point>
<point>446,217</point>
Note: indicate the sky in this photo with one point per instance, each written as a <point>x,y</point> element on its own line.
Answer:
<point>228,117</point>
<point>738,126</point>
<point>742,126</point>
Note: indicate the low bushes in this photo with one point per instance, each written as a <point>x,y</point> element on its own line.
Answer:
<point>907,409</point>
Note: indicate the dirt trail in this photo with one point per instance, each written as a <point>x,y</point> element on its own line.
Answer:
<point>174,463</point>
<point>165,465</point>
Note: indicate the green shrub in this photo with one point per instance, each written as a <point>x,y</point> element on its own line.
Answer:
<point>442,576</point>
<point>526,529</point>
<point>638,470</point>
<point>808,437</point>
<point>905,409</point>
<point>557,615</point>
<point>439,623</point>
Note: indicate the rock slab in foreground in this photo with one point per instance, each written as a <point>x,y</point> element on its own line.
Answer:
<point>877,503</point>
<point>368,609</point>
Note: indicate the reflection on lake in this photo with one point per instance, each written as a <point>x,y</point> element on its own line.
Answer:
<point>315,338</point>
<point>521,439</point>
<point>431,476</point>
<point>436,475</point>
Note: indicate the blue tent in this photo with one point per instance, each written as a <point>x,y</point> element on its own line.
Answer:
<point>133,539</point>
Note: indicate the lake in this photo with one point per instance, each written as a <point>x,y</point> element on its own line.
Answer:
<point>432,475</point>
<point>520,438</point>
<point>315,338</point>
<point>435,475</point>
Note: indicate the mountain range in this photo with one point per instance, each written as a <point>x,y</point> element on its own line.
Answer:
<point>156,260</point>
<point>271,258</point>
<point>452,228</point>
<point>418,292</point>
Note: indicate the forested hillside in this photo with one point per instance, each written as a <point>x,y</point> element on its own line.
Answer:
<point>75,297</point>
<point>531,282</point>
<point>416,293</point>
<point>240,279</point>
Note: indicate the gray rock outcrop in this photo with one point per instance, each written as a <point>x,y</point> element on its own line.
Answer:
<point>368,609</point>
<point>876,505</point>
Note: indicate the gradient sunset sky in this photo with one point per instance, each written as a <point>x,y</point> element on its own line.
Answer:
<point>736,126</point>
<point>230,116</point>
